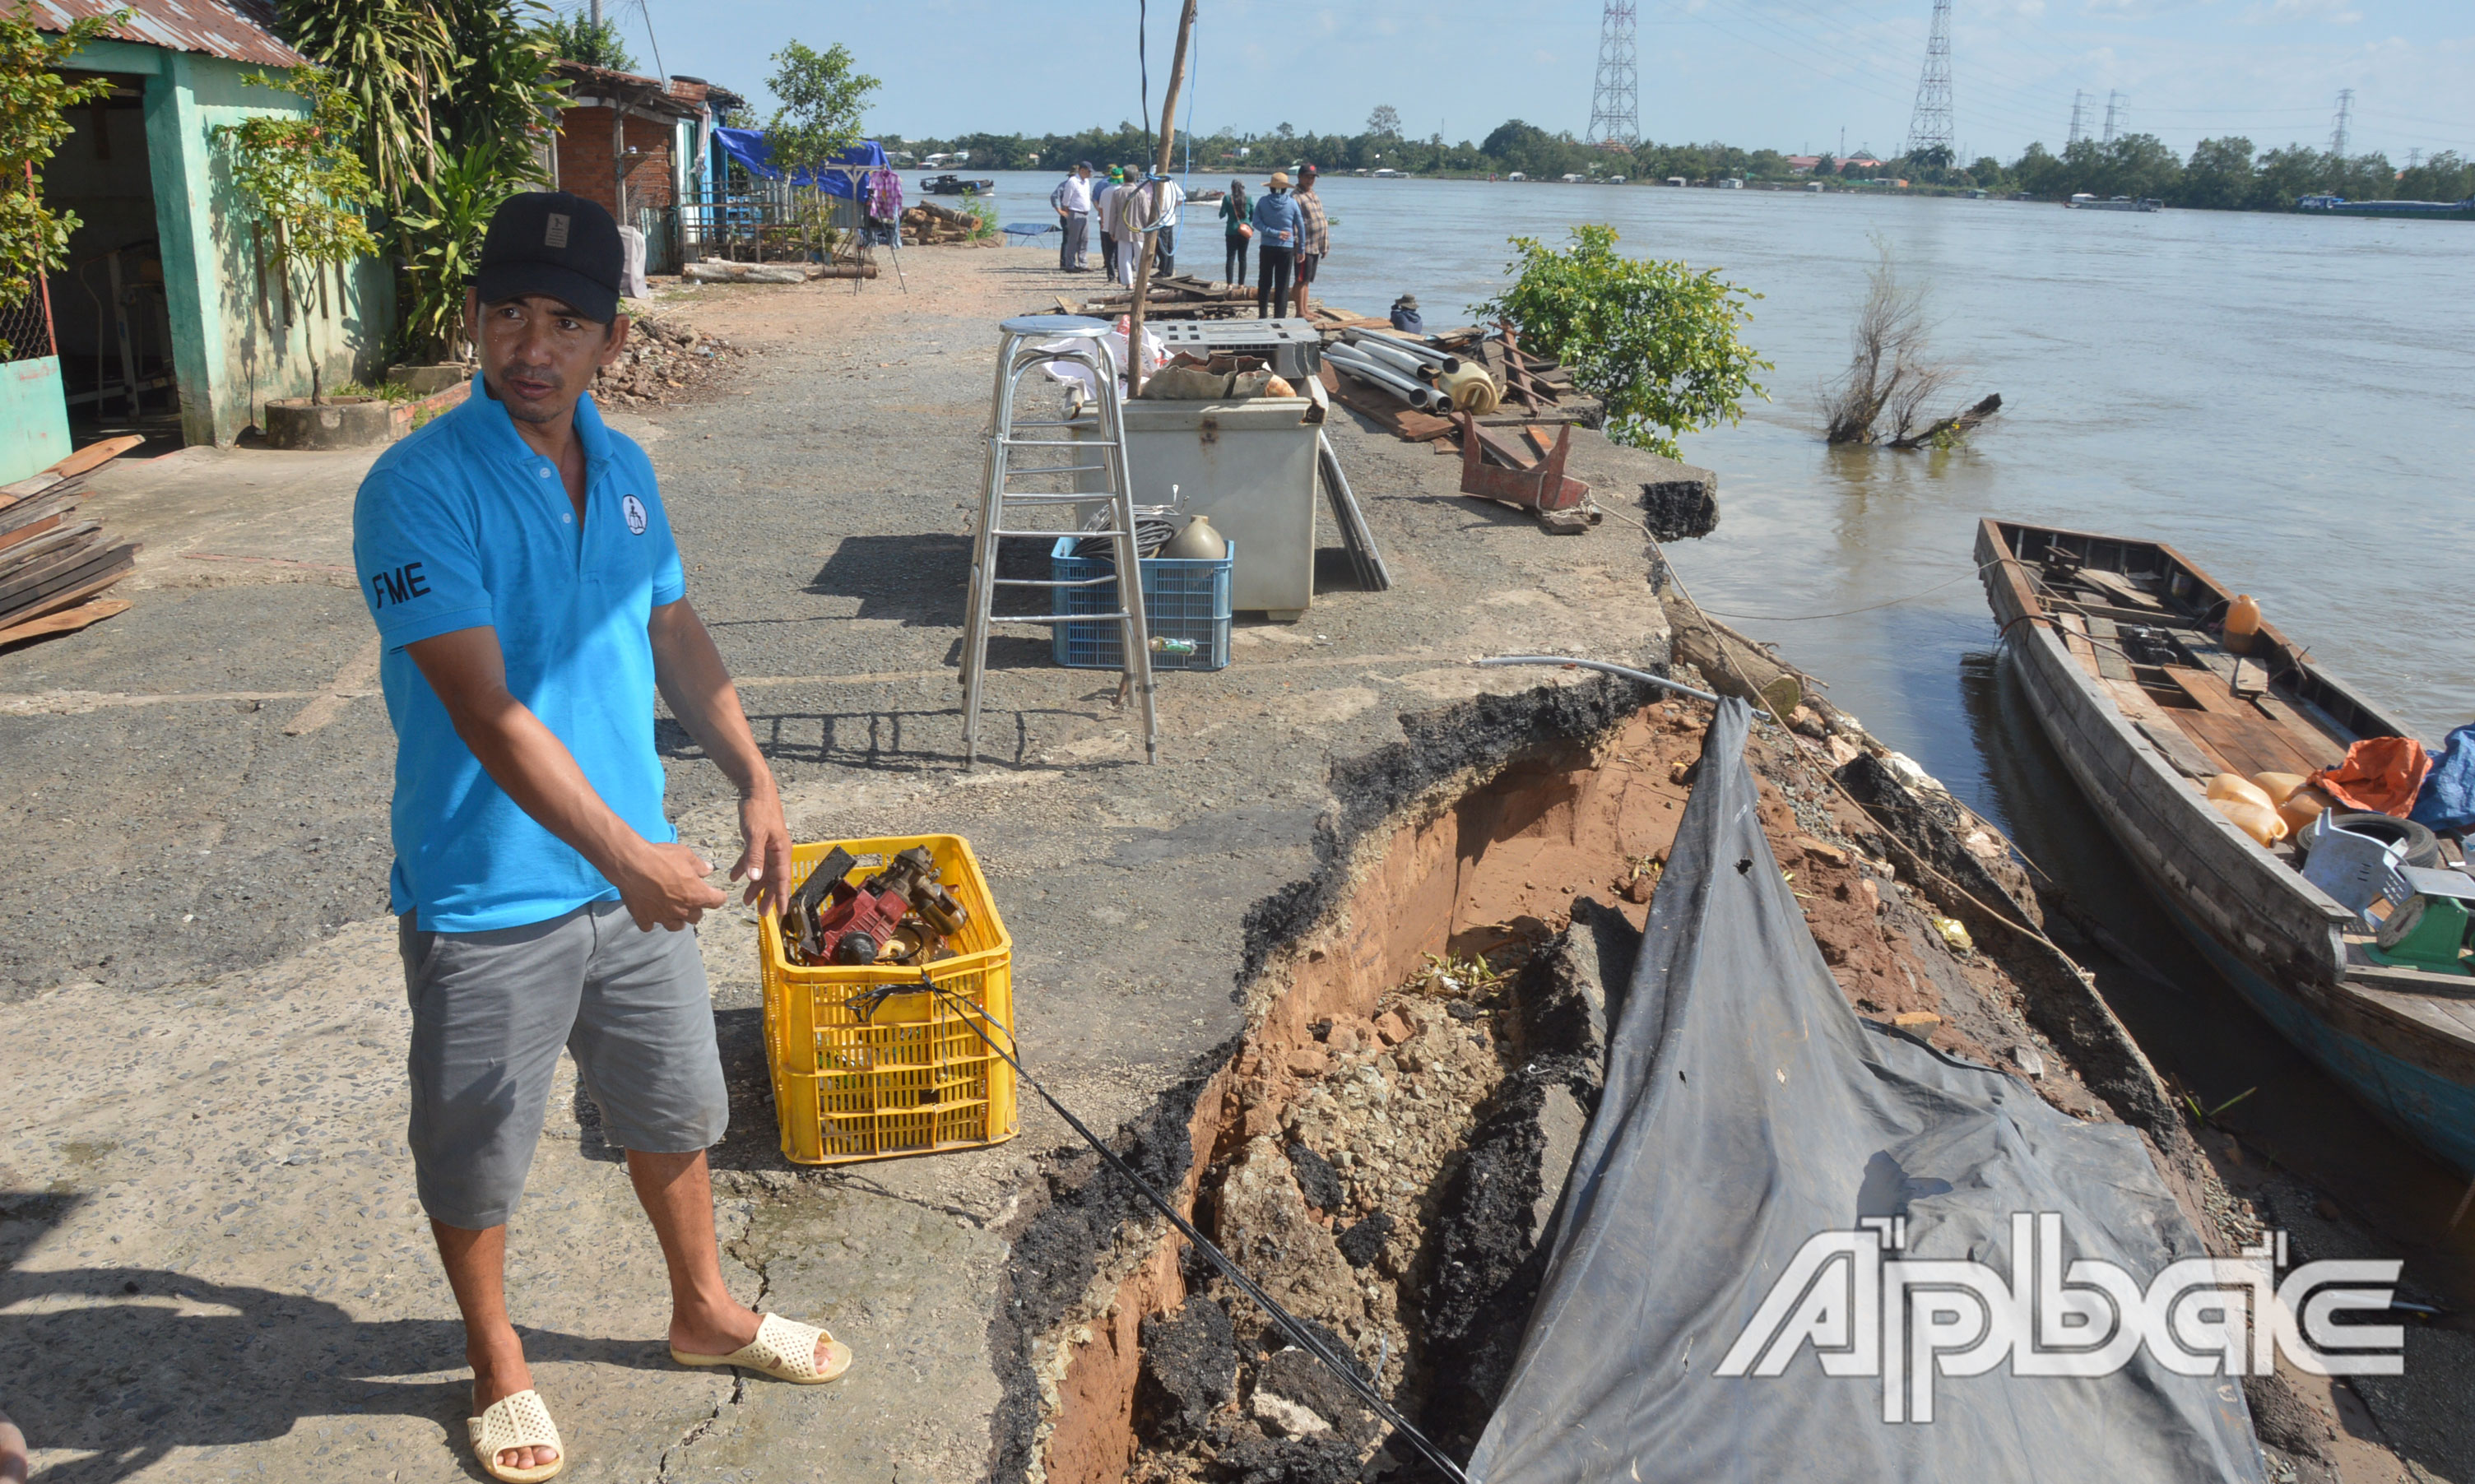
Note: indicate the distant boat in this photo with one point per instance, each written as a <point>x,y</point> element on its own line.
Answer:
<point>955,185</point>
<point>1389,175</point>
<point>2430,210</point>
<point>2088,202</point>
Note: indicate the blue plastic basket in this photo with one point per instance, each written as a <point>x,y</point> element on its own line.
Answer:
<point>1183,598</point>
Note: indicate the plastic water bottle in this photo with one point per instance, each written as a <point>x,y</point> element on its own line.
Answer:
<point>1176,648</point>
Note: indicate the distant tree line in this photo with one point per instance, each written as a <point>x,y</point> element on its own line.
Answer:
<point>2225,174</point>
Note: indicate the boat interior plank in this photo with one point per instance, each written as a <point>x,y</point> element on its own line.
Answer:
<point>2302,731</point>
<point>2179,750</point>
<point>2237,730</point>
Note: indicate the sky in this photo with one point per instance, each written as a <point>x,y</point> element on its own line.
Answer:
<point>1781,73</point>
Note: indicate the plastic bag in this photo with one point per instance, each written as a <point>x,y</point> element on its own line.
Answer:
<point>2447,800</point>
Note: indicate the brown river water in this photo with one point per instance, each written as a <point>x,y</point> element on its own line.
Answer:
<point>2288,401</point>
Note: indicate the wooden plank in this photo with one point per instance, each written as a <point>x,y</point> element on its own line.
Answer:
<point>2170,740</point>
<point>42,591</point>
<point>2308,740</point>
<point>67,620</point>
<point>2121,589</point>
<point>2246,730</point>
<point>2076,638</point>
<point>2107,641</point>
<point>29,531</point>
<point>94,455</point>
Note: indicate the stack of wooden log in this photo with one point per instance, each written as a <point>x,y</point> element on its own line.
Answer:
<point>1180,296</point>
<point>930,224</point>
<point>54,567</point>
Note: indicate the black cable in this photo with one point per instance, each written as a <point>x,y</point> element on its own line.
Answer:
<point>1348,1370</point>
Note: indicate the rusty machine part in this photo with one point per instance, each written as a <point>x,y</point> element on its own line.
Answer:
<point>901,915</point>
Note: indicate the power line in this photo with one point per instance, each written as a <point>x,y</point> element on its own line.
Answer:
<point>1929,122</point>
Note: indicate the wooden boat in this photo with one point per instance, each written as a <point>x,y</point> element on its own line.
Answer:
<point>2115,642</point>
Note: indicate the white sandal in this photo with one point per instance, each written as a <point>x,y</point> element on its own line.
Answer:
<point>783,1349</point>
<point>520,1421</point>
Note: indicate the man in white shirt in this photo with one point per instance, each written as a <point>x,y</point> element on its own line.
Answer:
<point>1164,210</point>
<point>1072,200</point>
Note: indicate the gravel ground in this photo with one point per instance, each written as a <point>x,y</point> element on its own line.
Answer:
<point>202,1001</point>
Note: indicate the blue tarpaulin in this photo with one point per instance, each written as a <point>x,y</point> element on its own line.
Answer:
<point>748,147</point>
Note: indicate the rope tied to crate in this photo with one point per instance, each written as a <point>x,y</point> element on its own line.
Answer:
<point>1349,1374</point>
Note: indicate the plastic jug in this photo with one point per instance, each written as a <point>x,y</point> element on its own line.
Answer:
<point>2242,622</point>
<point>2257,821</point>
<point>2300,808</point>
<point>2229,788</point>
<point>2279,787</point>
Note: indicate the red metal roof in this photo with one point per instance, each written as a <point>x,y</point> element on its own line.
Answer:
<point>236,30</point>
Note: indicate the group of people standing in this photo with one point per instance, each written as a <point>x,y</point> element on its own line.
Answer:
<point>1125,205</point>
<point>1285,224</point>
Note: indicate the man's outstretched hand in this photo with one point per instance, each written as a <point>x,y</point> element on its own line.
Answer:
<point>765,863</point>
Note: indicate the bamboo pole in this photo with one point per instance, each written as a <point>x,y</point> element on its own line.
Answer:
<point>1143,263</point>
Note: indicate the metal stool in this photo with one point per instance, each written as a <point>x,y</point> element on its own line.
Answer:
<point>1019,354</point>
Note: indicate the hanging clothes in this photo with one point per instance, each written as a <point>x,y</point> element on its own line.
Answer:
<point>885,195</point>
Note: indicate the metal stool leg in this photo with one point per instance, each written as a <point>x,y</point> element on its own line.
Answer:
<point>1015,362</point>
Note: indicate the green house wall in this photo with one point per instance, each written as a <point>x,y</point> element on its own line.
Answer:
<point>232,348</point>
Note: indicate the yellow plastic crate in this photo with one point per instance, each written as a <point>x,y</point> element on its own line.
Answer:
<point>909,1076</point>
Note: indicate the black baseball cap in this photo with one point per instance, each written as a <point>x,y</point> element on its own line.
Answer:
<point>551,242</point>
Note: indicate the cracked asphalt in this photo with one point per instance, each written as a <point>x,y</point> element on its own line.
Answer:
<point>215,1268</point>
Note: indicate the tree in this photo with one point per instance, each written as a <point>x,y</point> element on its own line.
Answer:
<point>34,238</point>
<point>1890,376</point>
<point>1384,123</point>
<point>2445,177</point>
<point>823,100</point>
<point>394,59</point>
<point>1652,339</point>
<point>2282,177</point>
<point>306,180</point>
<point>2218,175</point>
<point>595,43</point>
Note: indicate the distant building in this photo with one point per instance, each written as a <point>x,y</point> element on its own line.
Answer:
<point>168,314</point>
<point>1802,164</point>
<point>639,146</point>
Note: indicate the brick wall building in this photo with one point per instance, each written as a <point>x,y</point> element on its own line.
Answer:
<point>632,137</point>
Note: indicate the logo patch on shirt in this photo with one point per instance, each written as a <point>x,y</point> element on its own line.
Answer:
<point>634,510</point>
<point>557,233</point>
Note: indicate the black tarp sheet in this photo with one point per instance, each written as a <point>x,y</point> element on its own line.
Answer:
<point>1749,1108</point>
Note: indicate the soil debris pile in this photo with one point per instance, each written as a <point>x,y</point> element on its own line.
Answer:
<point>665,361</point>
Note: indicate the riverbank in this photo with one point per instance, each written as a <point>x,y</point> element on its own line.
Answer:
<point>214,1265</point>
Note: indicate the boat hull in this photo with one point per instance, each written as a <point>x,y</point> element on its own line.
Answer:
<point>2275,941</point>
<point>2435,1112</point>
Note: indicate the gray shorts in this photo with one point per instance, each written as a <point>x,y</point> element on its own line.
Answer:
<point>490,1011</point>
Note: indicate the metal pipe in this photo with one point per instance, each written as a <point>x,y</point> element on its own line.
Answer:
<point>1399,360</point>
<point>1642,675</point>
<point>1411,392</point>
<point>1412,347</point>
<point>1385,371</point>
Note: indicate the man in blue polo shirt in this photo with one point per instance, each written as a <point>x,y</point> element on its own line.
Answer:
<point>519,564</point>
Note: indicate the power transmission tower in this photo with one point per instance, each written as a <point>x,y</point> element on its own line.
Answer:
<point>1615,104</point>
<point>2079,118</point>
<point>2414,157</point>
<point>2346,118</point>
<point>1929,124</point>
<point>2113,115</point>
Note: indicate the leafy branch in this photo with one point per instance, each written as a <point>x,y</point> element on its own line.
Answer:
<point>1658,342</point>
<point>34,98</point>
